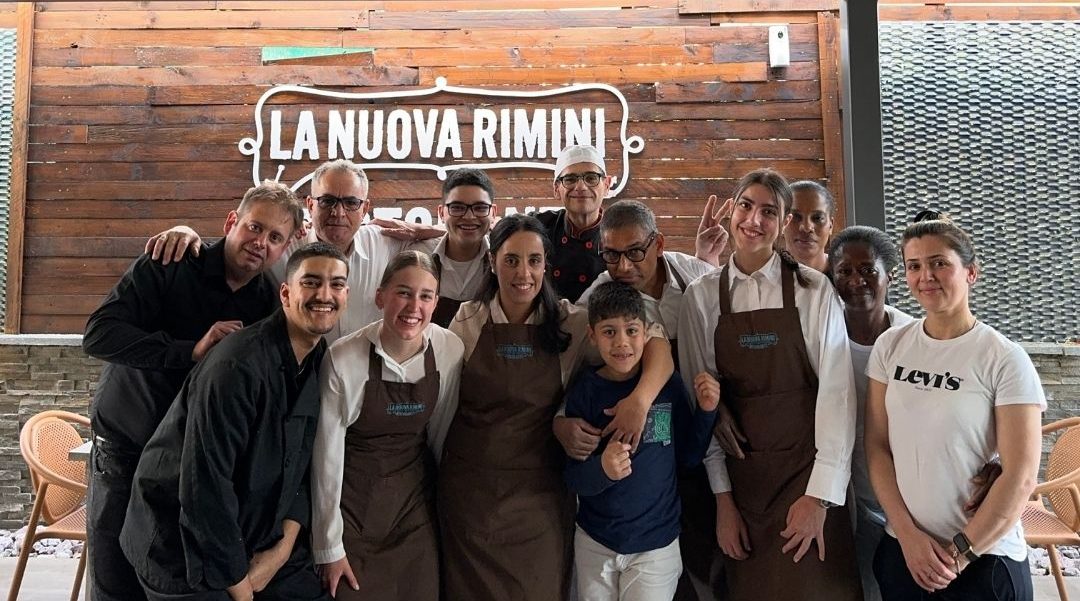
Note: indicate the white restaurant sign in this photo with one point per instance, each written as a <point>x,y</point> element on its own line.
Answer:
<point>381,137</point>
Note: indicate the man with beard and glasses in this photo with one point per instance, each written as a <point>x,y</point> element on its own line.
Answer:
<point>220,506</point>
<point>337,205</point>
<point>151,330</point>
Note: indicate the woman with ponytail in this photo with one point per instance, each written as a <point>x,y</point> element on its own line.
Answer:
<point>773,334</point>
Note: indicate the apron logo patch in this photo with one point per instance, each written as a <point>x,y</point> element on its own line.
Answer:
<point>756,342</point>
<point>514,351</point>
<point>405,409</point>
<point>658,424</point>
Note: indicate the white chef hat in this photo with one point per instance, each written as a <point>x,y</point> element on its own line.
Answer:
<point>579,153</point>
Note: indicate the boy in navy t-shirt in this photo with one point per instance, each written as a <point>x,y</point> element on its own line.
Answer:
<point>627,540</point>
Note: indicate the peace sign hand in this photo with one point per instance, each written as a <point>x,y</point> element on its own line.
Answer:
<point>712,233</point>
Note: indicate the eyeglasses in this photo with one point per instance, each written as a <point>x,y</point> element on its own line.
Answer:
<point>349,203</point>
<point>635,254</point>
<point>459,209</point>
<point>570,180</point>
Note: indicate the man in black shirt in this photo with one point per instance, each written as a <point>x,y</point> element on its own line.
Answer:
<point>155,324</point>
<point>220,505</point>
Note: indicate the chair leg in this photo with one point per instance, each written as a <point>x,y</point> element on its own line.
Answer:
<point>79,575</point>
<point>27,544</point>
<point>1055,567</point>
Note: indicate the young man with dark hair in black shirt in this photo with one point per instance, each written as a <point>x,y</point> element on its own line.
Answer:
<point>154,326</point>
<point>220,505</point>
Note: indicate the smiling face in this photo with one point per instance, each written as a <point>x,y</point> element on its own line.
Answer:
<point>936,275</point>
<point>641,274</point>
<point>808,230</point>
<point>519,266</point>
<point>621,341</point>
<point>337,225</point>
<point>315,295</point>
<point>860,277</point>
<point>255,240</point>
<point>755,224</point>
<point>582,199</point>
<point>407,301</point>
<point>467,229</point>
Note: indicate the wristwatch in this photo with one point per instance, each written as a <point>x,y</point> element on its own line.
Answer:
<point>963,546</point>
<point>827,504</point>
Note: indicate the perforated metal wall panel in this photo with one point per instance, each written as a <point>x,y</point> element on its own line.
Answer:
<point>982,120</point>
<point>7,102</point>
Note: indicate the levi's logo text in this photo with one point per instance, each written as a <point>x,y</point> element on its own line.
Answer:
<point>405,409</point>
<point>924,380</point>
<point>514,351</point>
<point>756,342</point>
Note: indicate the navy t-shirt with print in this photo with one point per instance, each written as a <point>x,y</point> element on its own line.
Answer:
<point>640,512</point>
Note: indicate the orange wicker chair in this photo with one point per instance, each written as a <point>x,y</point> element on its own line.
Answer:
<point>1059,524</point>
<point>59,484</point>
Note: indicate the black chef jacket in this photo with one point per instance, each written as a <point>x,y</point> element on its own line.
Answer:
<point>576,261</point>
<point>227,464</point>
<point>146,329</point>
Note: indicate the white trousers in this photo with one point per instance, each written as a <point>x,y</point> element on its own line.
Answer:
<point>604,575</point>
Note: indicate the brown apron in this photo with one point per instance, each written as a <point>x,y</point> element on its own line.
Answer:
<point>387,497</point>
<point>771,389</point>
<point>506,515</point>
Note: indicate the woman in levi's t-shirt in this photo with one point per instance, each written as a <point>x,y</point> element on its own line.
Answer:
<point>946,394</point>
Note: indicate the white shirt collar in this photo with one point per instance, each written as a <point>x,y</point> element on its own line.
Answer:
<point>372,334</point>
<point>357,247</point>
<point>769,271</point>
<point>440,248</point>
<point>499,316</point>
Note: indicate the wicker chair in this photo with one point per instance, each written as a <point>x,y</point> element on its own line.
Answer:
<point>1059,524</point>
<point>59,484</point>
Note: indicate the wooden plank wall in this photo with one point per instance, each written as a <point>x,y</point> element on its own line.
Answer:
<point>136,112</point>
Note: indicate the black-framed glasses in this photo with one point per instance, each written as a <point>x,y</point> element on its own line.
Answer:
<point>635,254</point>
<point>570,180</point>
<point>459,209</point>
<point>349,203</point>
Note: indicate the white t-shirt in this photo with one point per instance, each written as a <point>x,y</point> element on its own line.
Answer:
<point>665,310</point>
<point>860,477</point>
<point>940,403</point>
<point>342,379</point>
<point>460,280</point>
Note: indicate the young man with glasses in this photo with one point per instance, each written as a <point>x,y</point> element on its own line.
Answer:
<point>462,254</point>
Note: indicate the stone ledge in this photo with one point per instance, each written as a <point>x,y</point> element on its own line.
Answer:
<point>41,340</point>
<point>1050,348</point>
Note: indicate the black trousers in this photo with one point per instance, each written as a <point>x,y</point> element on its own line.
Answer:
<point>990,578</point>
<point>295,581</point>
<point>112,471</point>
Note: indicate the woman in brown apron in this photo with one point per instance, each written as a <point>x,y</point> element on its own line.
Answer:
<point>388,395</point>
<point>505,514</point>
<point>774,335</point>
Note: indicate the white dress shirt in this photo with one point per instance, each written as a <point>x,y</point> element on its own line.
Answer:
<point>342,379</point>
<point>822,319</point>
